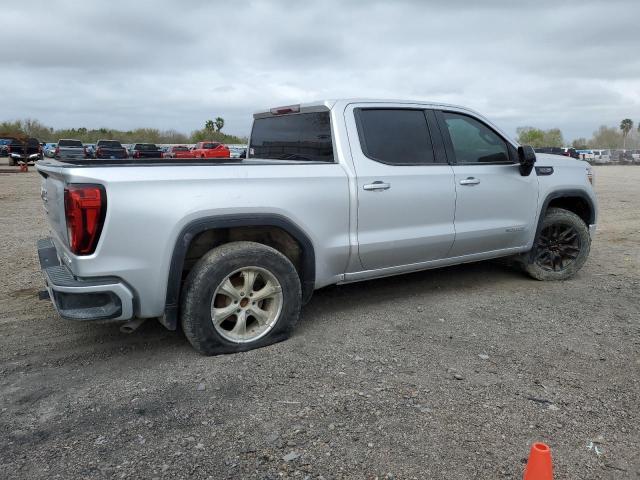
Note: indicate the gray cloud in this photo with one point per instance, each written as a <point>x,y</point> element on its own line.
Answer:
<point>171,64</point>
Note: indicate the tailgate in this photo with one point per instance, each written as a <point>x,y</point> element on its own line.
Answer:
<point>52,193</point>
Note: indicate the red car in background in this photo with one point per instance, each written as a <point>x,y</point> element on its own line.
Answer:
<point>210,150</point>
<point>178,151</point>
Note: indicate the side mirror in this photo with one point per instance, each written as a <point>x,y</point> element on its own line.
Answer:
<point>527,158</point>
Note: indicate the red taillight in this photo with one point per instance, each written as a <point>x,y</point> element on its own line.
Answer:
<point>84,207</point>
<point>84,152</point>
<point>136,154</point>
<point>57,151</point>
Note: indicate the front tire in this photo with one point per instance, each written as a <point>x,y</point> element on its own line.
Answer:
<point>240,296</point>
<point>561,248</point>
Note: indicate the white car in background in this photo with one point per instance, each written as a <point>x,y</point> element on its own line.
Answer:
<point>602,156</point>
<point>586,155</point>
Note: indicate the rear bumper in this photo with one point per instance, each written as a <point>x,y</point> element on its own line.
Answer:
<point>105,298</point>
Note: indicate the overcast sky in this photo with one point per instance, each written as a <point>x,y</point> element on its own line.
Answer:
<point>173,64</point>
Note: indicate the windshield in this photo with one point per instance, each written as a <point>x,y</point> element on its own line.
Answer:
<point>70,143</point>
<point>145,146</point>
<point>180,149</point>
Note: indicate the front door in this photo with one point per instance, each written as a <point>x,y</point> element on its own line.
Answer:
<point>495,204</point>
<point>406,194</point>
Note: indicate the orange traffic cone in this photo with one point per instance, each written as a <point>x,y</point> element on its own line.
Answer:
<point>539,465</point>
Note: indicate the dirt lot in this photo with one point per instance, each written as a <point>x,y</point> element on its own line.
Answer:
<point>443,374</point>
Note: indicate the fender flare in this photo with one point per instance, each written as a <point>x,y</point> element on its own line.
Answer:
<point>563,194</point>
<point>192,229</point>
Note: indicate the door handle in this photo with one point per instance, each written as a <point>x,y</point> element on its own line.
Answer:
<point>470,181</point>
<point>378,185</point>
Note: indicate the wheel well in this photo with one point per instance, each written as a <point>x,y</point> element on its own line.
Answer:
<point>271,236</point>
<point>577,205</point>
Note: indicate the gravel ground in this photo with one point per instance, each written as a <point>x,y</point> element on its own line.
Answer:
<point>451,373</point>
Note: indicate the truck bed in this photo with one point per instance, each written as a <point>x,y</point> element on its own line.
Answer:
<point>164,162</point>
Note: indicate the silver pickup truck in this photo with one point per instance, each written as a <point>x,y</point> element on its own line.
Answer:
<point>330,192</point>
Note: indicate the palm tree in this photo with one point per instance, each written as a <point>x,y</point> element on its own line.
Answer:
<point>209,125</point>
<point>219,123</point>
<point>625,125</point>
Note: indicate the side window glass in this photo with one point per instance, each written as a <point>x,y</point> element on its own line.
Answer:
<point>395,136</point>
<point>473,141</point>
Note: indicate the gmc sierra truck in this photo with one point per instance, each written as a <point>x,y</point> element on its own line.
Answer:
<point>331,192</point>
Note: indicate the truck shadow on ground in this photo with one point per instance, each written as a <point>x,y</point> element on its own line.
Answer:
<point>340,298</point>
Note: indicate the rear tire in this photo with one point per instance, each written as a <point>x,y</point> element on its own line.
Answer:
<point>561,248</point>
<point>218,311</point>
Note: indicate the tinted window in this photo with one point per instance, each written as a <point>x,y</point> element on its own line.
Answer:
<point>210,145</point>
<point>109,144</point>
<point>180,149</point>
<point>474,142</point>
<point>304,136</point>
<point>145,146</point>
<point>395,136</point>
<point>69,143</point>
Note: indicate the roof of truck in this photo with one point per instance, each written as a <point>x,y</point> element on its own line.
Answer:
<point>328,104</point>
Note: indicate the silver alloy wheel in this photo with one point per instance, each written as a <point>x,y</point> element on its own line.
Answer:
<point>246,305</point>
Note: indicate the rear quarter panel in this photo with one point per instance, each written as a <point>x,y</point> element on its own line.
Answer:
<point>149,206</point>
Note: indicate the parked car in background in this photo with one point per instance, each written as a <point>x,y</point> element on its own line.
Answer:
<point>145,150</point>
<point>68,149</point>
<point>110,149</point>
<point>210,150</point>
<point>178,151</point>
<point>49,149</point>
<point>4,146</point>
<point>601,156</point>
<point>571,152</point>
<point>237,150</point>
<point>586,155</point>
<point>90,148</point>
<point>29,151</point>
<point>550,150</point>
<point>635,155</point>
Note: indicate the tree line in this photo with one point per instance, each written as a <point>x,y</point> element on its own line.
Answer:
<point>34,128</point>
<point>624,137</point>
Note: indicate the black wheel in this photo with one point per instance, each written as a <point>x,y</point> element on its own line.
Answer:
<point>561,248</point>
<point>240,296</point>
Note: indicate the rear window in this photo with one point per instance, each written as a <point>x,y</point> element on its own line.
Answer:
<point>145,146</point>
<point>180,149</point>
<point>70,143</point>
<point>109,144</point>
<point>210,145</point>
<point>303,136</point>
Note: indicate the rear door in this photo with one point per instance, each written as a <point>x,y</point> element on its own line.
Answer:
<point>405,190</point>
<point>495,205</point>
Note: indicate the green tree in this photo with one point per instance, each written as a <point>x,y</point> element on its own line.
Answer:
<point>219,123</point>
<point>625,125</point>
<point>580,143</point>
<point>209,125</point>
<point>530,136</point>
<point>537,137</point>
<point>553,138</point>
<point>606,137</point>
